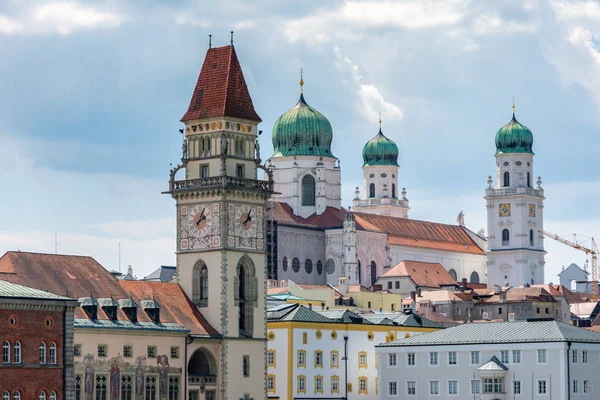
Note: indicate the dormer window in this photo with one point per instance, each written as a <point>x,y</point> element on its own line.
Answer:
<point>152,308</point>
<point>90,307</point>
<point>110,308</point>
<point>129,307</point>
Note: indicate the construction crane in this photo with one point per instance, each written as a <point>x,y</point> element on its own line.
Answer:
<point>593,251</point>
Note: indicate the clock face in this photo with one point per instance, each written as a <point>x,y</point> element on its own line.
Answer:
<point>532,210</point>
<point>245,226</point>
<point>199,227</point>
<point>504,210</point>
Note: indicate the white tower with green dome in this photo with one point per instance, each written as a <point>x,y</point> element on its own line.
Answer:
<point>307,175</point>
<point>515,247</point>
<point>380,180</point>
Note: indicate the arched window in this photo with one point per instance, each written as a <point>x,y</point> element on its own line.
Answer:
<point>6,395</point>
<point>202,363</point>
<point>373,272</point>
<point>246,295</point>
<point>319,267</point>
<point>528,180</point>
<point>284,263</point>
<point>308,190</point>
<point>474,277</point>
<point>452,274</point>
<point>308,266</point>
<point>6,352</point>
<point>17,352</point>
<point>506,181</point>
<point>52,353</point>
<point>359,271</point>
<point>372,190</point>
<point>295,265</point>
<point>17,395</point>
<point>531,237</point>
<point>393,190</point>
<point>204,284</point>
<point>43,356</point>
<point>505,237</point>
<point>42,395</point>
<point>52,395</point>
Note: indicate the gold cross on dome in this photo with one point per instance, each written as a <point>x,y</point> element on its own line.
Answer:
<point>301,80</point>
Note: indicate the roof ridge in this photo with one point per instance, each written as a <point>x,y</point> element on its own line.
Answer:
<point>231,52</point>
<point>46,254</point>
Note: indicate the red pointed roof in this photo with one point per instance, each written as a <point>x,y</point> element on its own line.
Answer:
<point>221,90</point>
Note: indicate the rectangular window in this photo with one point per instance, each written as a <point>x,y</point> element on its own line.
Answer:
<point>393,388</point>
<point>127,350</point>
<point>393,306</point>
<point>204,171</point>
<point>246,366</point>
<point>434,387</point>
<point>150,388</point>
<point>6,352</point>
<point>475,386</point>
<point>584,356</point>
<point>174,351</point>
<point>362,360</point>
<point>411,388</point>
<point>389,284</point>
<point>151,351</point>
<point>174,388</point>
<point>516,356</point>
<point>239,171</point>
<point>574,356</point>
<point>101,387</point>
<point>126,387</point>
<point>335,359</point>
<point>392,359</point>
<point>504,356</point>
<point>575,386</point>
<point>433,358</point>
<point>301,384</point>
<point>76,350</point>
<point>410,359</point>
<point>102,350</point>
<point>541,387</point>
<point>516,387</point>
<point>474,358</point>
<point>318,384</point>
<point>318,358</point>
<point>452,358</point>
<point>493,385</point>
<point>301,358</point>
<point>271,358</point>
<point>362,385</point>
<point>335,384</point>
<point>498,385</point>
<point>397,284</point>
<point>271,383</point>
<point>499,310</point>
<point>547,310</point>
<point>542,356</point>
<point>453,387</point>
<point>537,310</point>
<point>586,386</point>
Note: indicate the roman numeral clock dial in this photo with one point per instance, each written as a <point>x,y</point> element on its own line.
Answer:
<point>245,226</point>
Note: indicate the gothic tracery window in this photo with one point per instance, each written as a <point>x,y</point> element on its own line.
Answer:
<point>373,272</point>
<point>200,284</point>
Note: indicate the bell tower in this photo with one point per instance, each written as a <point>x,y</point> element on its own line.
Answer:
<point>515,252</point>
<point>221,210</point>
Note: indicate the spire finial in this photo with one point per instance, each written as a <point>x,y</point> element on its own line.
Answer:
<point>301,80</point>
<point>380,120</point>
<point>210,41</point>
<point>231,40</point>
<point>513,106</point>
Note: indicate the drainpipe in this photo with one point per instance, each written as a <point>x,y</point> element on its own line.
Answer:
<point>568,371</point>
<point>346,367</point>
<point>185,366</point>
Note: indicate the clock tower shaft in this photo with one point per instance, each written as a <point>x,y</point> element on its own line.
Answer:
<point>221,210</point>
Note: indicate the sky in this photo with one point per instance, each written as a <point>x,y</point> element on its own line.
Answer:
<point>92,93</point>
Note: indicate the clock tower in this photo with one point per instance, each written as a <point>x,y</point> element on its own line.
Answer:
<point>515,247</point>
<point>221,210</point>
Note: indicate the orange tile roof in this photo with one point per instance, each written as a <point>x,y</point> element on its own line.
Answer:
<point>221,89</point>
<point>423,274</point>
<point>330,218</point>
<point>415,233</point>
<point>277,290</point>
<point>520,294</point>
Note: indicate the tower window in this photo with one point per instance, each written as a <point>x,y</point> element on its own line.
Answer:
<point>359,272</point>
<point>200,284</point>
<point>308,190</point>
<point>505,237</point>
<point>204,285</point>
<point>393,190</point>
<point>528,180</point>
<point>372,190</point>
<point>506,181</point>
<point>531,237</point>
<point>204,171</point>
<point>239,171</point>
<point>373,272</point>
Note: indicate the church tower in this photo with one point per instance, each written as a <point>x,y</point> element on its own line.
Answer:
<point>307,176</point>
<point>221,257</point>
<point>380,179</point>
<point>515,247</point>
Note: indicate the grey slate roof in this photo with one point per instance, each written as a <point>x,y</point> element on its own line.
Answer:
<point>150,304</point>
<point>413,320</point>
<point>128,325</point>
<point>107,302</point>
<point>501,332</point>
<point>295,312</point>
<point>493,365</point>
<point>343,316</point>
<point>163,274</point>
<point>8,289</point>
<point>127,303</point>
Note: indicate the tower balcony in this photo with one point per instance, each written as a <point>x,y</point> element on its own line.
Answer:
<point>220,182</point>
<point>509,191</point>
<point>379,202</point>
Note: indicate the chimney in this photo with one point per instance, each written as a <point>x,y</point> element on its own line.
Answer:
<point>413,296</point>
<point>502,296</point>
<point>464,283</point>
<point>310,306</point>
<point>343,285</point>
<point>496,289</point>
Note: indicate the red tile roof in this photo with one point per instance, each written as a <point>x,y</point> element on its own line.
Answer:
<point>221,90</point>
<point>175,306</point>
<point>415,233</point>
<point>330,218</point>
<point>423,274</point>
<point>520,294</point>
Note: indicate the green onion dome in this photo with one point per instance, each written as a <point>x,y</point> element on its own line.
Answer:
<point>380,151</point>
<point>514,138</point>
<point>302,131</point>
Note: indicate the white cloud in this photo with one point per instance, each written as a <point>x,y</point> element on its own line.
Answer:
<point>565,10</point>
<point>371,101</point>
<point>493,24</point>
<point>59,17</point>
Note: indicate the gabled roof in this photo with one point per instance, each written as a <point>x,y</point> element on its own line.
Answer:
<point>437,296</point>
<point>221,89</point>
<point>12,290</point>
<point>540,331</point>
<point>520,294</point>
<point>164,273</point>
<point>295,312</point>
<point>330,218</point>
<point>422,274</point>
<point>493,365</point>
<point>343,316</point>
<point>583,310</point>
<point>415,233</point>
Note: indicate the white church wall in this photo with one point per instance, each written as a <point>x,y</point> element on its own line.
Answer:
<point>302,244</point>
